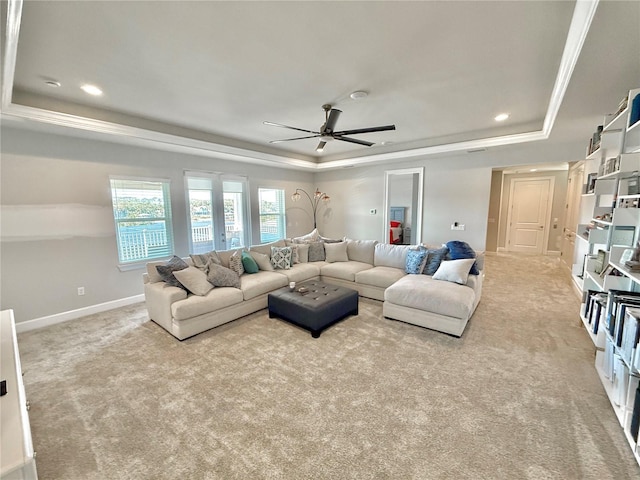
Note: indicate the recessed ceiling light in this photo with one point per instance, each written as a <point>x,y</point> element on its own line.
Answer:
<point>358,95</point>
<point>533,170</point>
<point>501,117</point>
<point>52,83</point>
<point>91,89</point>
<point>386,143</point>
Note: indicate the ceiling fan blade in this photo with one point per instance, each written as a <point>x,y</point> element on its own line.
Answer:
<point>332,120</point>
<point>366,130</point>
<point>353,140</point>
<point>297,138</point>
<point>287,126</point>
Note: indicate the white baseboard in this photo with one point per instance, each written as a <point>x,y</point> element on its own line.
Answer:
<point>73,314</point>
<point>549,253</point>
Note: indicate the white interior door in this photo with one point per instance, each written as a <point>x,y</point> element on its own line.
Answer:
<point>529,215</point>
<point>572,206</point>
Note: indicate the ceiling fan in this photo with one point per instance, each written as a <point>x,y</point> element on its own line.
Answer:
<point>327,133</point>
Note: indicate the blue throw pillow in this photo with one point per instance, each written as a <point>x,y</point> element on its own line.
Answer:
<point>459,250</point>
<point>434,258</point>
<point>415,260</point>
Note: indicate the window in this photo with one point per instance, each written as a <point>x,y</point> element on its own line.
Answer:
<point>217,211</point>
<point>272,219</point>
<point>201,214</point>
<point>142,213</point>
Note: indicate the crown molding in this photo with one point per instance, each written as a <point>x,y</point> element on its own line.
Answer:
<point>583,14</point>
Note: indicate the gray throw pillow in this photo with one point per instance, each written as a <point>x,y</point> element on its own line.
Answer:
<point>316,252</point>
<point>194,279</point>
<point>166,271</point>
<point>201,260</point>
<point>220,276</point>
<point>434,259</point>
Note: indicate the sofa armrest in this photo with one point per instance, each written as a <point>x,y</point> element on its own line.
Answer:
<point>158,297</point>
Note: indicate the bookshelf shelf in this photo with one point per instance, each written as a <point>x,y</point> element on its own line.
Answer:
<point>612,178</point>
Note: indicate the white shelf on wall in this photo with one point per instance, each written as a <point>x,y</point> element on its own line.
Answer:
<point>622,413</point>
<point>632,134</point>
<point>613,208</point>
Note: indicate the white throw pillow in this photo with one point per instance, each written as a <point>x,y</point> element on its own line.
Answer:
<point>454,270</point>
<point>194,279</point>
<point>336,252</point>
<point>263,261</point>
<point>312,236</point>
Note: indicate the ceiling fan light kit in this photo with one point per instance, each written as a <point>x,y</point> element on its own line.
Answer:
<point>327,131</point>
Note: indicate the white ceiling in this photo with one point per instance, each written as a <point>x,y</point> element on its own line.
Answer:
<point>214,71</point>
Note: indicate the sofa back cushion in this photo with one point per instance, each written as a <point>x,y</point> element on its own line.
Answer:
<point>225,255</point>
<point>361,250</point>
<point>265,248</point>
<point>387,255</point>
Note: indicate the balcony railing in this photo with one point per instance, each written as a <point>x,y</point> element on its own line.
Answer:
<point>152,243</point>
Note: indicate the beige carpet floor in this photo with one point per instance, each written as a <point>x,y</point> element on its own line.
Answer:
<point>517,397</point>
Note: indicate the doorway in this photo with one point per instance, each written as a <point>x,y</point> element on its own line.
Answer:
<point>529,214</point>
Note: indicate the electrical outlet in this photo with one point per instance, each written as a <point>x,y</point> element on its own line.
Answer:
<point>80,290</point>
<point>457,226</point>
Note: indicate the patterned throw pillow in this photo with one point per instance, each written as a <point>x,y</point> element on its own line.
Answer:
<point>459,250</point>
<point>316,252</point>
<point>415,261</point>
<point>220,276</point>
<point>200,260</point>
<point>281,257</point>
<point>235,262</point>
<point>434,258</point>
<point>166,271</point>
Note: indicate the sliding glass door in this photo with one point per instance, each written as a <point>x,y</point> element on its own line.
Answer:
<point>218,217</point>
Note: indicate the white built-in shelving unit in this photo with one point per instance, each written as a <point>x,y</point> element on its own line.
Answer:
<point>609,226</point>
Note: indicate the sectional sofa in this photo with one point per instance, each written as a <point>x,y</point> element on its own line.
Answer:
<point>375,270</point>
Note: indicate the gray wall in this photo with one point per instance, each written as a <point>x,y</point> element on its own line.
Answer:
<point>60,187</point>
<point>65,179</point>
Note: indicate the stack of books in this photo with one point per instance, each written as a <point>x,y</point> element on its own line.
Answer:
<point>632,265</point>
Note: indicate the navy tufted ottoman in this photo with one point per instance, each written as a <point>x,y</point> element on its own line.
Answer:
<point>316,310</point>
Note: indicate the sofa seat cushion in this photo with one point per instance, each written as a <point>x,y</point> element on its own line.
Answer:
<point>344,270</point>
<point>194,305</point>
<point>300,272</point>
<point>261,283</point>
<point>436,296</point>
<point>381,277</point>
